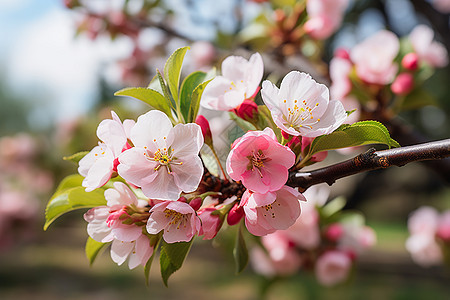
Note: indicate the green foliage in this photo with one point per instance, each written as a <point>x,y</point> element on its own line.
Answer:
<point>172,71</point>
<point>149,96</point>
<point>76,157</point>
<point>172,257</point>
<point>240,251</point>
<point>416,99</point>
<point>357,134</point>
<point>190,84</point>
<point>70,195</point>
<point>92,249</point>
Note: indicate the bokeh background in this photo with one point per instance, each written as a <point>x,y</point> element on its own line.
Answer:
<point>58,73</point>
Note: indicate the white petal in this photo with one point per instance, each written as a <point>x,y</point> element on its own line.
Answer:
<point>120,251</point>
<point>150,126</point>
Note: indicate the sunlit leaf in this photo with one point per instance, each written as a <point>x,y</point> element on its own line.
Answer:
<point>76,157</point>
<point>93,248</point>
<point>188,86</point>
<point>151,97</point>
<point>172,71</point>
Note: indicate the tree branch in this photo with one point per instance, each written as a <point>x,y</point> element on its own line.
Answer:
<point>371,160</point>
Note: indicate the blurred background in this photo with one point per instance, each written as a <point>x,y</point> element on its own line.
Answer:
<point>62,61</point>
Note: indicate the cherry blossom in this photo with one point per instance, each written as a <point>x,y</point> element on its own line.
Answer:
<point>373,58</point>
<point>239,81</point>
<point>333,267</point>
<point>164,161</point>
<point>210,223</point>
<point>301,106</point>
<point>325,17</point>
<point>259,161</point>
<point>429,51</point>
<point>106,225</point>
<point>266,213</point>
<point>424,249</point>
<point>177,219</point>
<point>100,163</point>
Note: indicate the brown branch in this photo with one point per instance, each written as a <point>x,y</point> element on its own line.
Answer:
<point>371,160</point>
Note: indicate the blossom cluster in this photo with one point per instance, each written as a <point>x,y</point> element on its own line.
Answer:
<point>429,238</point>
<point>160,162</point>
<point>315,243</point>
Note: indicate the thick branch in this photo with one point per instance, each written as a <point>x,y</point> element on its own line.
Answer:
<point>372,160</point>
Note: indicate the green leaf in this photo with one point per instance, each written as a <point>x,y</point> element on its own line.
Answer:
<point>172,71</point>
<point>76,157</point>
<point>195,99</point>
<point>149,96</point>
<point>416,99</point>
<point>357,134</point>
<point>171,257</point>
<point>188,86</point>
<point>210,161</point>
<point>333,207</point>
<point>70,195</point>
<point>165,90</point>
<point>240,251</point>
<point>92,249</point>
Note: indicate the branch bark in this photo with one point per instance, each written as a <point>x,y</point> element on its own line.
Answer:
<point>371,160</point>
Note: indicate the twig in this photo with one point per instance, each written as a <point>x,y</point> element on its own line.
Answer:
<point>372,160</point>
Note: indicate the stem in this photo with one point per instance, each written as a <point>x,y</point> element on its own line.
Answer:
<point>371,160</point>
<point>220,165</point>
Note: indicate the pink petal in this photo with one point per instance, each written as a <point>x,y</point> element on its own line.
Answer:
<point>150,126</point>
<point>120,251</point>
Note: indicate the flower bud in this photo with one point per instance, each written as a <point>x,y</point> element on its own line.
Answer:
<point>342,53</point>
<point>334,232</point>
<point>206,130</point>
<point>211,223</point>
<point>410,61</point>
<point>235,214</point>
<point>196,203</point>
<point>403,84</point>
<point>247,110</point>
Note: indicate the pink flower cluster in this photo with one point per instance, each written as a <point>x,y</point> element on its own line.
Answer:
<point>429,235</point>
<point>314,244</point>
<point>324,17</point>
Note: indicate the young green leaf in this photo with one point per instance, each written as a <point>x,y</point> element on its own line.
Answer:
<point>70,195</point>
<point>188,86</point>
<point>195,99</point>
<point>357,134</point>
<point>172,71</point>
<point>165,90</point>
<point>171,258</point>
<point>151,97</point>
<point>92,249</point>
<point>240,251</point>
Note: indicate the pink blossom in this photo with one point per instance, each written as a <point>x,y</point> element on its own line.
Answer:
<point>443,228</point>
<point>280,257</point>
<point>266,213</point>
<point>99,164</point>
<point>259,161</point>
<point>301,106</point>
<point>442,6</point>
<point>164,161</point>
<point>429,51</point>
<point>410,61</point>
<point>239,81</point>
<point>403,84</point>
<point>210,223</point>
<point>178,220</point>
<point>423,220</point>
<point>340,69</point>
<point>424,249</point>
<point>356,238</point>
<point>105,225</point>
<point>333,267</point>
<point>325,17</point>
<point>373,58</point>
<point>203,54</point>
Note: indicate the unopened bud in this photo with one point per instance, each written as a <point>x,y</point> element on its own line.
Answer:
<point>410,61</point>
<point>342,53</point>
<point>206,130</point>
<point>235,214</point>
<point>334,232</point>
<point>247,110</point>
<point>196,203</point>
<point>182,199</point>
<point>403,84</point>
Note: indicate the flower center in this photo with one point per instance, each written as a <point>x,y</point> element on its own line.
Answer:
<point>163,156</point>
<point>299,116</point>
<point>256,161</point>
<point>176,218</point>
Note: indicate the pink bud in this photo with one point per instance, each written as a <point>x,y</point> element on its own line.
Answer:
<point>410,61</point>
<point>182,199</point>
<point>206,130</point>
<point>247,110</point>
<point>334,232</point>
<point>443,229</point>
<point>342,53</point>
<point>196,203</point>
<point>235,214</point>
<point>210,223</point>
<point>403,84</point>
